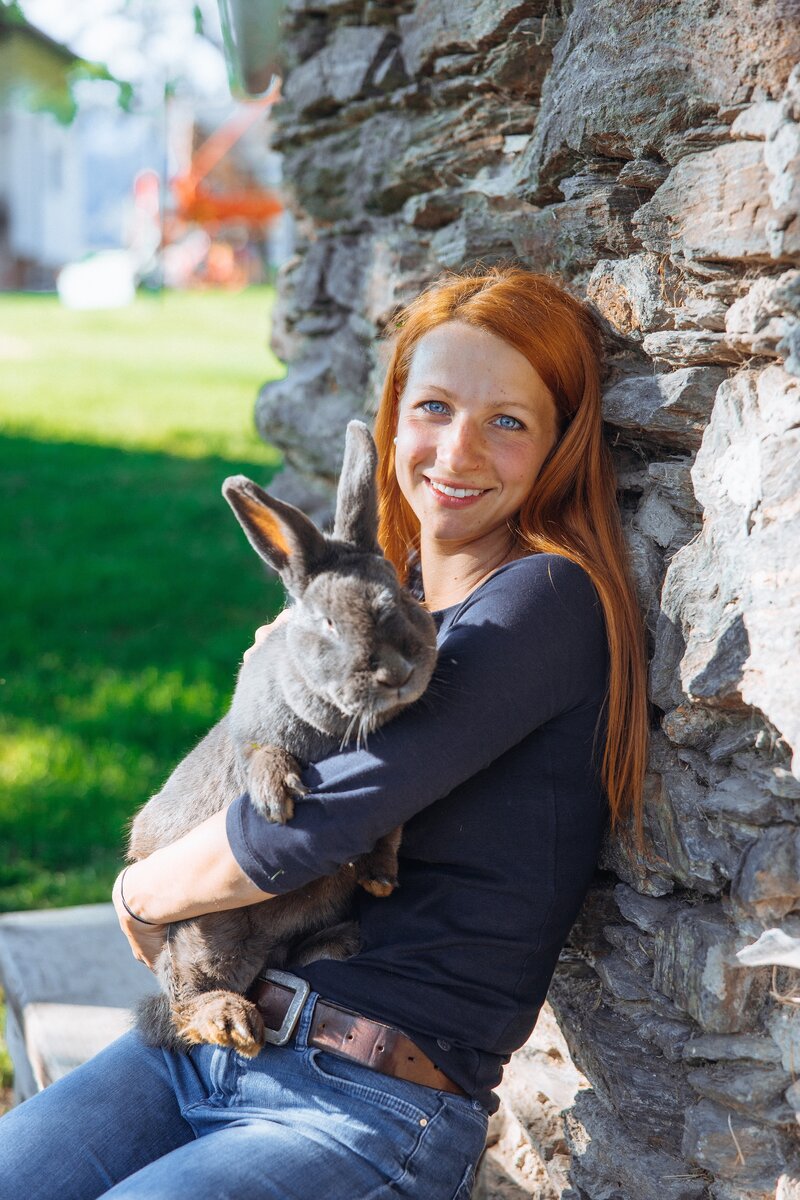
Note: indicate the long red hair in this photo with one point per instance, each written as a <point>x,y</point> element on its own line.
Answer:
<point>572,509</point>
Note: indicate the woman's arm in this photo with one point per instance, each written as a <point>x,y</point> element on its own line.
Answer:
<point>194,875</point>
<point>528,645</point>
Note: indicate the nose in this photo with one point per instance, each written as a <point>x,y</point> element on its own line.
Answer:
<point>391,669</point>
<point>460,449</point>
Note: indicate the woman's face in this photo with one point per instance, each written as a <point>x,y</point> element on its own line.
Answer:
<point>475,416</point>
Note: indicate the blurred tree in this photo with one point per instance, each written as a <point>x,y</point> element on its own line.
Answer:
<point>40,73</point>
<point>158,46</point>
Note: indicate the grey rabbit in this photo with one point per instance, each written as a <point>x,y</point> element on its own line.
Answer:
<point>354,651</point>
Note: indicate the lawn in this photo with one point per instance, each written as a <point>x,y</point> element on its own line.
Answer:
<point>129,590</point>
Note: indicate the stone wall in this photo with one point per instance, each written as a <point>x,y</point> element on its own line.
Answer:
<point>649,152</point>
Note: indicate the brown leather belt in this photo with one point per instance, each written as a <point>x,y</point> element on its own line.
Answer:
<point>280,997</point>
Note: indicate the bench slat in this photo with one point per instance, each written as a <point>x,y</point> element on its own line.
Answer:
<point>71,983</point>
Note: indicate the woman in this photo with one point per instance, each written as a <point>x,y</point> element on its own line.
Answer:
<point>498,505</point>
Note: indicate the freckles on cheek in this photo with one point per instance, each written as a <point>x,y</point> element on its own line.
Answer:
<point>520,472</point>
<point>410,445</point>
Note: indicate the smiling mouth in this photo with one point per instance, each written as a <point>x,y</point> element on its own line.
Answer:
<point>459,492</point>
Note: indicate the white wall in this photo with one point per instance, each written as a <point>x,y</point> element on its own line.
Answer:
<point>41,179</point>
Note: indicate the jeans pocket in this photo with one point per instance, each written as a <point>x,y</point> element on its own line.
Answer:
<point>360,1082</point>
<point>464,1190</point>
<point>464,1108</point>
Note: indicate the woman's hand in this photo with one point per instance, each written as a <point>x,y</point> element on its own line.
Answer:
<point>263,631</point>
<point>194,875</point>
<point>146,940</point>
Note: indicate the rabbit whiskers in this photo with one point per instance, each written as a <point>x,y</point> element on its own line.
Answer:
<point>363,723</point>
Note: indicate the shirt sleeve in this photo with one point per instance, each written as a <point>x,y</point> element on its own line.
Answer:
<point>526,646</point>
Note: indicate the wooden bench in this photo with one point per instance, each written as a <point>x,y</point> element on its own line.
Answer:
<point>70,984</point>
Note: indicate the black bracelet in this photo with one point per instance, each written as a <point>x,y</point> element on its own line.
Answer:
<point>125,903</point>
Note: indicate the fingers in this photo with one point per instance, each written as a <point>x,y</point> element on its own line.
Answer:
<point>260,634</point>
<point>146,957</point>
<point>263,631</point>
<point>146,942</point>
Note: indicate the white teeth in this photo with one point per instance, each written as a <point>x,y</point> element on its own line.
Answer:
<point>450,491</point>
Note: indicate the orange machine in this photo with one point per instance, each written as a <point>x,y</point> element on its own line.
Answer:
<point>200,205</point>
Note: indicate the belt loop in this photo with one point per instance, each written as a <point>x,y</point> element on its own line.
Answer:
<point>304,1021</point>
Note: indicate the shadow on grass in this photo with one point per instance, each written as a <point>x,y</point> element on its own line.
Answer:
<point>131,595</point>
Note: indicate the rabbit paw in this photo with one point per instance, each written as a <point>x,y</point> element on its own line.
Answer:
<point>222,1019</point>
<point>375,875</point>
<point>336,942</point>
<point>378,887</point>
<point>274,782</point>
<point>376,871</point>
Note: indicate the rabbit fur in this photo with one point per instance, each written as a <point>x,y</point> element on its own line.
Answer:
<point>355,650</point>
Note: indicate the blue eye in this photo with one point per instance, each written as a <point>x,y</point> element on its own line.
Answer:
<point>438,408</point>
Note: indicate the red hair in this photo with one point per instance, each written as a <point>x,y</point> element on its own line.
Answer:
<point>572,509</point>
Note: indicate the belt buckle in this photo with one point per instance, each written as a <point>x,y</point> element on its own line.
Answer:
<point>301,989</point>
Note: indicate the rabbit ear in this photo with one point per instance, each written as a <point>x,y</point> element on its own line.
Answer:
<point>281,534</point>
<point>357,499</point>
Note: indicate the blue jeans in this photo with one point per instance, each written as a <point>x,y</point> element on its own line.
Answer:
<point>295,1123</point>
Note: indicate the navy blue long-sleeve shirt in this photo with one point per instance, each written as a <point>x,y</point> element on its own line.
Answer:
<point>492,774</point>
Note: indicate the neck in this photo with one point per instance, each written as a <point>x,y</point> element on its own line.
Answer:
<point>450,573</point>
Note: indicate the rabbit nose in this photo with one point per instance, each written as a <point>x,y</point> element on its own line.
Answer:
<point>393,671</point>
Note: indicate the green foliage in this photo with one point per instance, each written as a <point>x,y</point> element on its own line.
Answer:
<point>11,13</point>
<point>85,70</point>
<point>49,81</point>
<point>133,591</point>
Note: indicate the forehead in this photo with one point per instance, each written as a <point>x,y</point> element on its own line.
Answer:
<point>369,580</point>
<point>473,363</point>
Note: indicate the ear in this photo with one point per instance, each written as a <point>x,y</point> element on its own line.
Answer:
<point>282,535</point>
<point>357,499</point>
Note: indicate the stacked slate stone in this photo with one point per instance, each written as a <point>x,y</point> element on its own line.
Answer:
<point>649,153</point>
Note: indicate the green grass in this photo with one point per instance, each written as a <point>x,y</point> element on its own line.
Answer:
<point>6,1068</point>
<point>174,373</point>
<point>129,590</point>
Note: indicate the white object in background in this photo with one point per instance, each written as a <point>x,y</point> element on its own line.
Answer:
<point>773,947</point>
<point>102,280</point>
